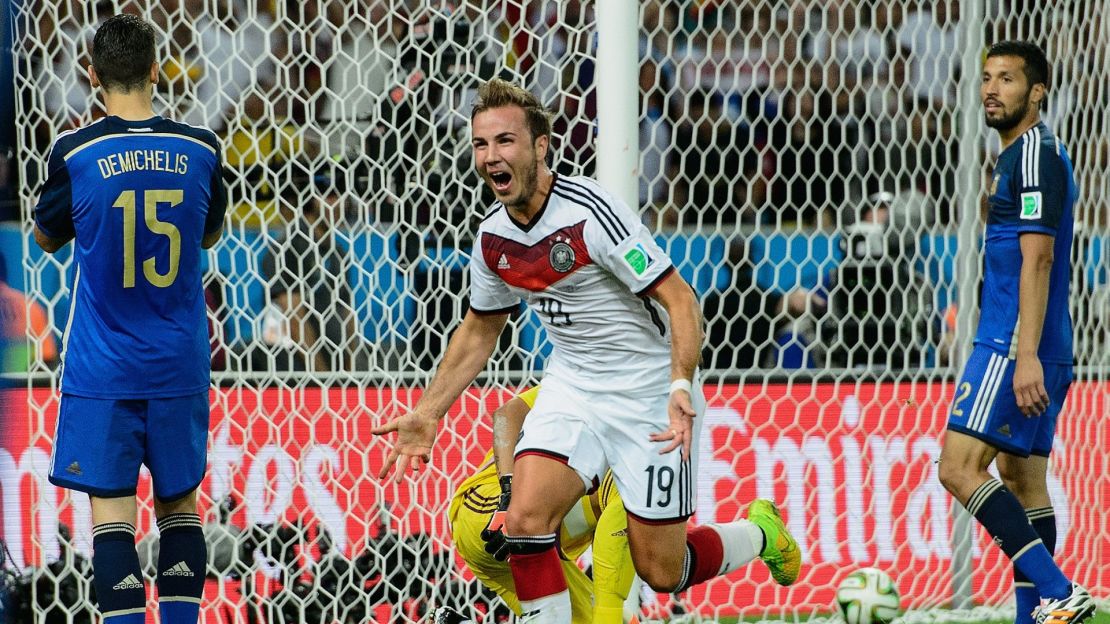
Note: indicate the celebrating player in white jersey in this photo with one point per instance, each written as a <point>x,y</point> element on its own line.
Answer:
<point>620,390</point>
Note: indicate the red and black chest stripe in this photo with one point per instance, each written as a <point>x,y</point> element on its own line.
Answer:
<point>538,266</point>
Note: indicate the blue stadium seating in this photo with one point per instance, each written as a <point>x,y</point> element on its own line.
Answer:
<point>381,293</point>
<point>784,261</point>
<point>1098,261</point>
<point>239,257</point>
<point>938,264</point>
<point>384,302</point>
<point>701,259</point>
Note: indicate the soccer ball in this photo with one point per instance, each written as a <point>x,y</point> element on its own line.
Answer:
<point>868,596</point>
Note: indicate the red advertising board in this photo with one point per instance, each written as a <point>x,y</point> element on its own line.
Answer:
<point>852,465</point>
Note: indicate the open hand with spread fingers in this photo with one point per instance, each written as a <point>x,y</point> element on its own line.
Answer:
<point>416,433</point>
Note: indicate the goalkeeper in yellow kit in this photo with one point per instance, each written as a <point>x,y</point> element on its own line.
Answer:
<point>598,519</point>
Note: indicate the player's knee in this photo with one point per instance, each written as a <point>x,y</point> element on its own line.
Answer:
<point>529,521</point>
<point>660,577</point>
<point>953,474</point>
<point>184,504</point>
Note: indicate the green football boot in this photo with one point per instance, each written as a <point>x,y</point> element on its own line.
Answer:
<point>780,550</point>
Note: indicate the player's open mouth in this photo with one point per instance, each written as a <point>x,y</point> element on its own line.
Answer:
<point>992,106</point>
<point>501,181</point>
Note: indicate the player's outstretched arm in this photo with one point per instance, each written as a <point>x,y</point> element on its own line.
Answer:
<point>687,336</point>
<point>467,353</point>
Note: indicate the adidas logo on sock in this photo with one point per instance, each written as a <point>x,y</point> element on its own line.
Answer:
<point>128,582</point>
<point>178,570</point>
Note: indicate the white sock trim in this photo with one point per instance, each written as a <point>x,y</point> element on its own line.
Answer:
<point>742,540</point>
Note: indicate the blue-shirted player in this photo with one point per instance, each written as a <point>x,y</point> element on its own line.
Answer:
<point>1017,377</point>
<point>140,196</point>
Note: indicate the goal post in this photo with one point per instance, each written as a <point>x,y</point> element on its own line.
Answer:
<point>815,170</point>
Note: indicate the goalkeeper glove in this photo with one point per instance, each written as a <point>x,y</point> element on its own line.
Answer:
<point>494,533</point>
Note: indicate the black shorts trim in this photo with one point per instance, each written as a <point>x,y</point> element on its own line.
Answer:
<point>658,521</point>
<point>506,310</point>
<point>656,282</point>
<point>91,490</point>
<point>176,496</point>
<point>978,435</point>
<point>562,459</point>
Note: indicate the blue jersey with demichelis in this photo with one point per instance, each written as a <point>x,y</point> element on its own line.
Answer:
<point>138,198</point>
<point>1032,190</point>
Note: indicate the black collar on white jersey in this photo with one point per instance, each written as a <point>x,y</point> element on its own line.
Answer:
<point>527,227</point>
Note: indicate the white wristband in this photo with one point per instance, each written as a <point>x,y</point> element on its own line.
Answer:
<point>682,384</point>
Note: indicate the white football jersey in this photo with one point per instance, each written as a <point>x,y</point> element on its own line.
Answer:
<point>585,265</point>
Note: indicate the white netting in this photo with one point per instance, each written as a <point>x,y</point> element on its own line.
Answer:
<point>772,133</point>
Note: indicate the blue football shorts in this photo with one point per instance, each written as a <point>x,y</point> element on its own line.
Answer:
<point>985,406</point>
<point>99,445</point>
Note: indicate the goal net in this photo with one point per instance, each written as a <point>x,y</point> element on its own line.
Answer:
<point>816,171</point>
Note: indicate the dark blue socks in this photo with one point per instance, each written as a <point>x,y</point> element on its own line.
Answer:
<point>120,593</point>
<point>1000,513</point>
<point>1026,597</point>
<point>181,565</point>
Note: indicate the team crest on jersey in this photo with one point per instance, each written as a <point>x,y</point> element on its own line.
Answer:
<point>561,256</point>
<point>994,184</point>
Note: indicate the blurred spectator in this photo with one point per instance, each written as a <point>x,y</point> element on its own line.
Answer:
<point>27,334</point>
<point>715,166</point>
<point>310,324</point>
<point>931,34</point>
<point>303,40</point>
<point>744,323</point>
<point>655,137</point>
<point>359,73</point>
<point>812,151</point>
<point>881,311</point>
<point>719,58</point>
<point>232,46</point>
<point>262,148</point>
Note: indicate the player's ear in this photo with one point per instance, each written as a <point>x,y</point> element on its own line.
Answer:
<point>154,71</point>
<point>542,142</point>
<point>1036,94</point>
<point>94,80</point>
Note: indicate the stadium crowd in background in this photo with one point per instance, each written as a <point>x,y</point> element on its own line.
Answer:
<point>771,117</point>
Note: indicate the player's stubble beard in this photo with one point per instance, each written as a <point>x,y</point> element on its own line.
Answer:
<point>1008,122</point>
<point>529,180</point>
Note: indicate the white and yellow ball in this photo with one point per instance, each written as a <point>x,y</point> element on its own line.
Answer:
<point>868,596</point>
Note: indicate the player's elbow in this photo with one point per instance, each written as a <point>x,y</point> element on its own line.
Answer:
<point>49,245</point>
<point>1043,261</point>
<point>211,239</point>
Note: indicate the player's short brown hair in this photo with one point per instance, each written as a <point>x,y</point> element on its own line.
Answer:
<point>497,93</point>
